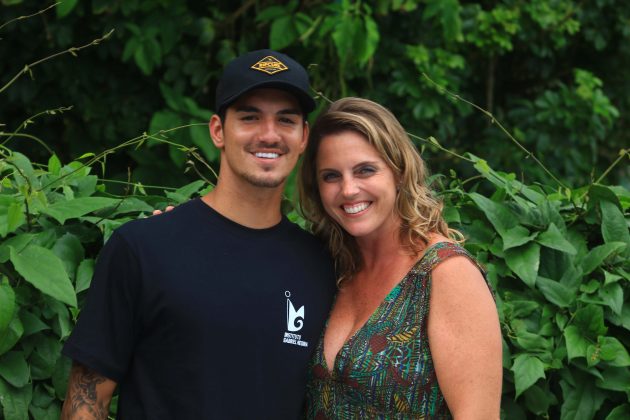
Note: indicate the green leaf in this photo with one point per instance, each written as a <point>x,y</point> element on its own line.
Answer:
<point>499,215</point>
<point>282,33</point>
<point>538,400</point>
<point>344,35</point>
<point>132,205</point>
<point>64,210</point>
<point>7,305</point>
<point>15,217</point>
<point>610,278</point>
<point>516,236</point>
<point>49,413</point>
<point>621,412</point>
<point>527,370</point>
<point>84,275</point>
<point>576,343</point>
<point>614,379</point>
<point>369,37</point>
<point>15,401</point>
<point>553,238</point>
<point>524,262</point>
<point>614,226</point>
<point>555,292</point>
<point>44,357</point>
<point>70,251</point>
<point>54,165</point>
<point>522,308</point>
<point>32,324</point>
<point>64,7</point>
<point>14,369</point>
<point>590,321</point>
<point>60,376</point>
<point>142,59</point>
<point>613,352</point>
<point>44,270</point>
<point>18,242</point>
<point>612,294</point>
<point>580,402</point>
<point>447,11</point>
<point>130,48</point>
<point>597,255</point>
<point>200,138</point>
<point>163,120</point>
<point>12,335</point>
<point>532,342</point>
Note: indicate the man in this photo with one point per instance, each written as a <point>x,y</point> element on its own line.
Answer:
<point>212,310</point>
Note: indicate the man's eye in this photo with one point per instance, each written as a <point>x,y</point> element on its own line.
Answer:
<point>248,118</point>
<point>287,121</point>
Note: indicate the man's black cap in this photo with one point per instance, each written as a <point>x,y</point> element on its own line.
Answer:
<point>263,69</point>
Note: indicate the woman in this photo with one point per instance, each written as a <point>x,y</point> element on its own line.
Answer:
<point>414,331</point>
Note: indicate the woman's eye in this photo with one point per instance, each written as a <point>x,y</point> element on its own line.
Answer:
<point>329,176</point>
<point>366,170</point>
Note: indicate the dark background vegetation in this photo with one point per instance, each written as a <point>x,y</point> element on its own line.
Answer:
<point>519,107</point>
<point>555,73</point>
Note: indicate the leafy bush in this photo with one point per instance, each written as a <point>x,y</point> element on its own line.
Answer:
<point>53,221</point>
<point>557,257</point>
<point>559,260</point>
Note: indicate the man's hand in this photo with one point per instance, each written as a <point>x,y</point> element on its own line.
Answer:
<point>88,395</point>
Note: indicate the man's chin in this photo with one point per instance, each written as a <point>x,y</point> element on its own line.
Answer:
<point>262,182</point>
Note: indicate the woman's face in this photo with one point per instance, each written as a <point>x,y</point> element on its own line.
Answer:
<point>356,186</point>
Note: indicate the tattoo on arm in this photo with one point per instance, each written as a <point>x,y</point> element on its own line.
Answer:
<point>82,400</point>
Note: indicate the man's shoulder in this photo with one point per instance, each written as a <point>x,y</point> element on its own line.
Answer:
<point>159,225</point>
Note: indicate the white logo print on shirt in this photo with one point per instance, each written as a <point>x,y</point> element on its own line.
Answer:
<point>295,322</point>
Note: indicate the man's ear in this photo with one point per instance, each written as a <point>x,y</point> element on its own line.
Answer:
<point>216,131</point>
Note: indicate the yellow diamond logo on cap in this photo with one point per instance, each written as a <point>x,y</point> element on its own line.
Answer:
<point>270,65</point>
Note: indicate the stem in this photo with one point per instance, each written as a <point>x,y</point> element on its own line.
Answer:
<point>622,153</point>
<point>72,50</point>
<point>30,119</point>
<point>138,140</point>
<point>493,120</point>
<point>28,136</point>
<point>116,181</point>
<point>28,16</point>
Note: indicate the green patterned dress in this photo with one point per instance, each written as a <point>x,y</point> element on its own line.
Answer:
<point>385,369</point>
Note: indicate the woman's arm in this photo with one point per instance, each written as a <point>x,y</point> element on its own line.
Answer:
<point>465,340</point>
<point>88,395</point>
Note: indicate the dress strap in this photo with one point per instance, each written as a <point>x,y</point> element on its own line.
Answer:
<point>442,251</point>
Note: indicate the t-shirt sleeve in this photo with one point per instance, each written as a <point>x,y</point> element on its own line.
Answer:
<point>104,337</point>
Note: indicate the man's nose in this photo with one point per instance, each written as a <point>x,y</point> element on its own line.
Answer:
<point>269,131</point>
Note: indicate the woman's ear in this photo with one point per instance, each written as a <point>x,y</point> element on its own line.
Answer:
<point>216,131</point>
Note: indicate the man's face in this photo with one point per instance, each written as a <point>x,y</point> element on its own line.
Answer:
<point>261,138</point>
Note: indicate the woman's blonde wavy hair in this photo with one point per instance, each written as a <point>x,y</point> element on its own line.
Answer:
<point>419,211</point>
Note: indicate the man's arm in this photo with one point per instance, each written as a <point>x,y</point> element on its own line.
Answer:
<point>88,395</point>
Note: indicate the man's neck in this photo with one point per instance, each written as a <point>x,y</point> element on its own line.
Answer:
<point>254,209</point>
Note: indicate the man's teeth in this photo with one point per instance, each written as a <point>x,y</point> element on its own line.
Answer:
<point>355,208</point>
<point>267,155</point>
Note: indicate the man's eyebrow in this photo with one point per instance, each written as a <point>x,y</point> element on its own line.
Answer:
<point>290,111</point>
<point>251,108</point>
<point>246,108</point>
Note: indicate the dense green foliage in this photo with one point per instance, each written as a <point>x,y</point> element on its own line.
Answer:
<point>554,72</point>
<point>557,256</point>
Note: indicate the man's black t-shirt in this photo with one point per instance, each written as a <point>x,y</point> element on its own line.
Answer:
<point>197,317</point>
